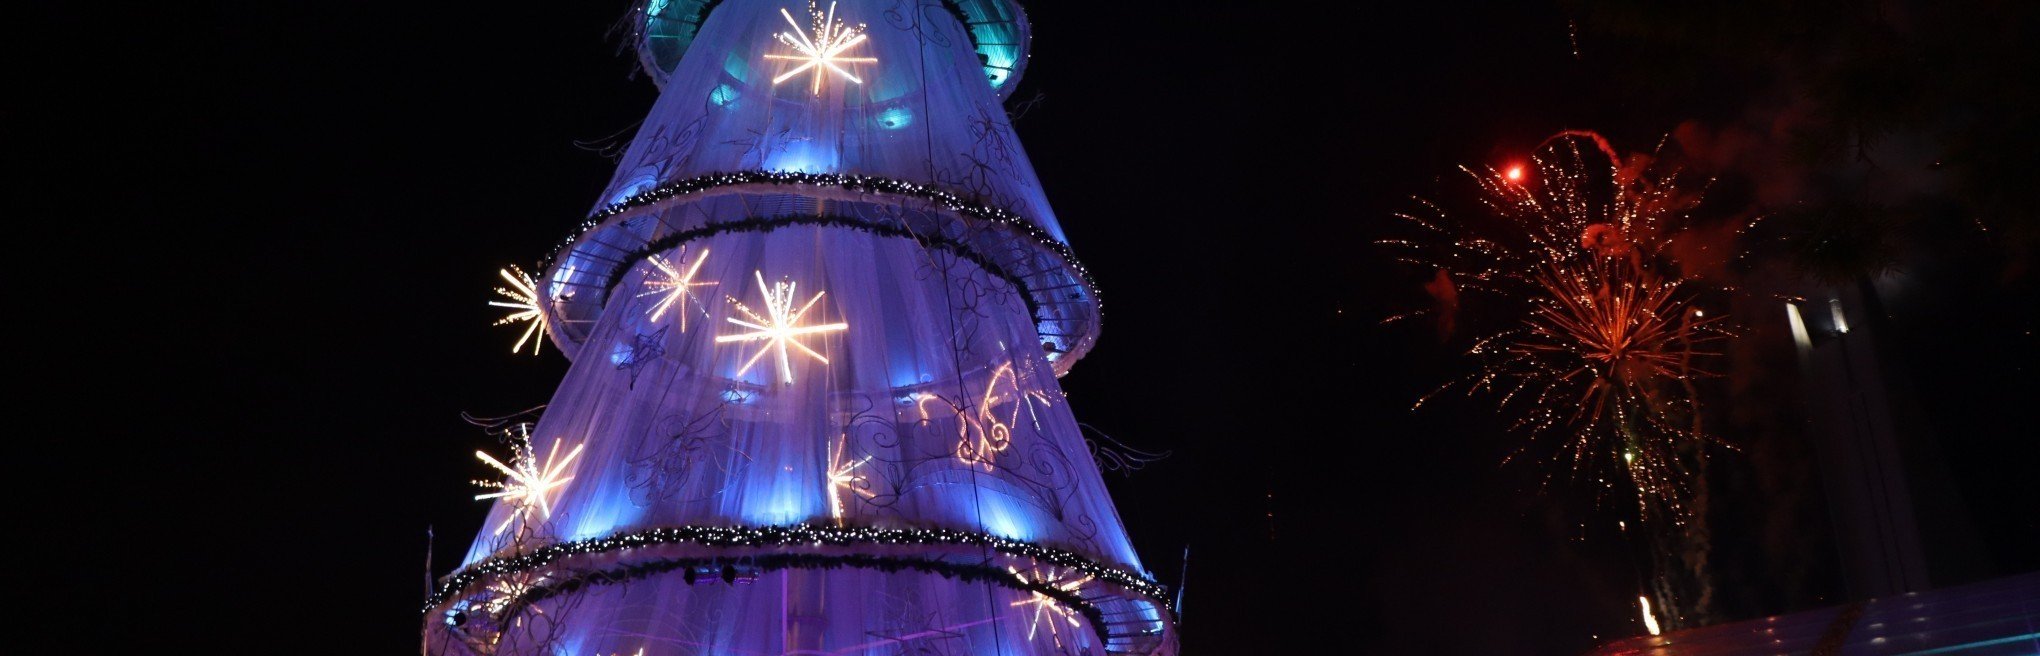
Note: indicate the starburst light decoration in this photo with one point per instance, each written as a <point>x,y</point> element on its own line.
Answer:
<point>523,295</point>
<point>530,481</point>
<point>1047,607</point>
<point>779,327</point>
<point>503,591</point>
<point>843,476</point>
<point>823,50</point>
<point>673,286</point>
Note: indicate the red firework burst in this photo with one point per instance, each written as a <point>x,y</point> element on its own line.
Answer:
<point>1607,339</point>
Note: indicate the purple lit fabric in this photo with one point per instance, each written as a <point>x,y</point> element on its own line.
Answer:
<point>924,111</point>
<point>937,407</point>
<point>674,435</point>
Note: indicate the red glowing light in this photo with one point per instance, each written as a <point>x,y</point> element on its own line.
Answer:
<point>1514,174</point>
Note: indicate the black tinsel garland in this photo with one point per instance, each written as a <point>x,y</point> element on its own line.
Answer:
<point>951,201</point>
<point>970,572</point>
<point>961,249</point>
<point>792,536</point>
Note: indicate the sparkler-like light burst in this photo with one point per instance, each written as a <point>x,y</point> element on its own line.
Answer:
<point>524,303</point>
<point>823,50</point>
<point>1609,342</point>
<point>1047,610</point>
<point>673,286</point>
<point>511,587</point>
<point>779,327</point>
<point>530,481</point>
<point>843,476</point>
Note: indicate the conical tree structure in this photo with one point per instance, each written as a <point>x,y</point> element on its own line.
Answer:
<point>816,323</point>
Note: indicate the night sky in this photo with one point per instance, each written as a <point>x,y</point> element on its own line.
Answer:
<point>273,227</point>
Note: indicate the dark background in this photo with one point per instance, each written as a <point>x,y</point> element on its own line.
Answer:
<point>259,238</point>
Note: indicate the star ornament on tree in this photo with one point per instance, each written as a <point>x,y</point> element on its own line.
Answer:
<point>503,591</point>
<point>643,350</point>
<point>779,327</point>
<point>843,476</point>
<point>672,285</point>
<point>823,50</point>
<point>1047,610</point>
<point>523,295</point>
<point>529,482</point>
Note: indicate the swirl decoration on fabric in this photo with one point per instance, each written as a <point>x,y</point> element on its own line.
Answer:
<point>859,462</point>
<point>669,454</point>
<point>663,145</point>
<point>909,16</point>
<point>1114,455</point>
<point>981,430</point>
<point>967,293</point>
<point>989,158</point>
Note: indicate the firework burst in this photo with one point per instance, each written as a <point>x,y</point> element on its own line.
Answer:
<point>1604,338</point>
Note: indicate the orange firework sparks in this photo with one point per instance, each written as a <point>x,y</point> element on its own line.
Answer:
<point>1608,339</point>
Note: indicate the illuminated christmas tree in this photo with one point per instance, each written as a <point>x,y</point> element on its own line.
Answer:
<point>815,323</point>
